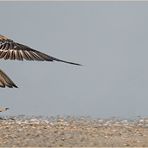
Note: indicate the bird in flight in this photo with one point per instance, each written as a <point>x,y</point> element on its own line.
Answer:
<point>12,50</point>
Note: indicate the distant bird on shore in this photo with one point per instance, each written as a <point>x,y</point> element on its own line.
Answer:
<point>15,51</point>
<point>2,109</point>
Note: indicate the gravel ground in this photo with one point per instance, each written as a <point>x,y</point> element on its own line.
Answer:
<point>71,131</point>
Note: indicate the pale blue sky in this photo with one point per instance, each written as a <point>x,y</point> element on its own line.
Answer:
<point>109,38</point>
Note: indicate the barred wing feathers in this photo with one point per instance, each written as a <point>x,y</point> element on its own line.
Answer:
<point>5,80</point>
<point>16,51</point>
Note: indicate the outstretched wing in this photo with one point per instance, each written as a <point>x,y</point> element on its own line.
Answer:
<point>5,80</point>
<point>16,51</point>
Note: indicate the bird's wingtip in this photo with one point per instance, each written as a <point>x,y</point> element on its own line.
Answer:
<point>15,86</point>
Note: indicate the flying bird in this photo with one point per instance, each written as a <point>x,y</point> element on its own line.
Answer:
<point>12,50</point>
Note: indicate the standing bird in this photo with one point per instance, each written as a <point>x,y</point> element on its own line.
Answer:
<point>16,51</point>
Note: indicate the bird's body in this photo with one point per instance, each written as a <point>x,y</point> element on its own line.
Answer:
<point>15,51</point>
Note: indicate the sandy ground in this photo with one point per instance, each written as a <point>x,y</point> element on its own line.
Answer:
<point>71,131</point>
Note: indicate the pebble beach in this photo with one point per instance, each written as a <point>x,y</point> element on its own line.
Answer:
<point>22,131</point>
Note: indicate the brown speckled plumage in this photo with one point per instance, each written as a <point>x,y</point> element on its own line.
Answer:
<point>15,51</point>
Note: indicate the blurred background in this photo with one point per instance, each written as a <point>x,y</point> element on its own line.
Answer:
<point>108,38</point>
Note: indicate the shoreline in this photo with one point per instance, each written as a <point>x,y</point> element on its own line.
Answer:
<point>72,131</point>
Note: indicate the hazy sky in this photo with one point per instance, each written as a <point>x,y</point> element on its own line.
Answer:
<point>109,38</point>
